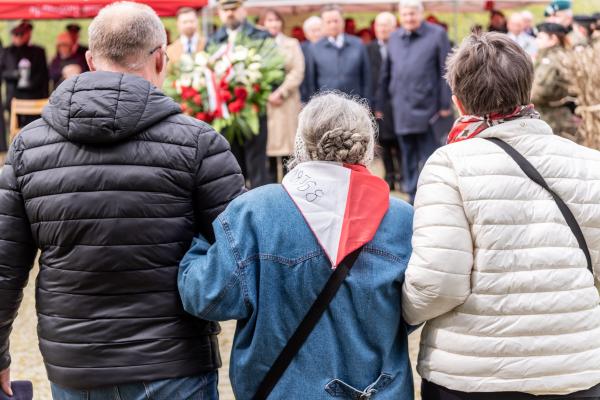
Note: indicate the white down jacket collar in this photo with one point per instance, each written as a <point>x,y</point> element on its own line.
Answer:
<point>496,271</point>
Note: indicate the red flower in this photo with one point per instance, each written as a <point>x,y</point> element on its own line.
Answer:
<point>188,92</point>
<point>240,93</point>
<point>225,95</point>
<point>202,116</point>
<point>223,84</point>
<point>197,99</point>
<point>217,114</point>
<point>256,87</point>
<point>236,106</point>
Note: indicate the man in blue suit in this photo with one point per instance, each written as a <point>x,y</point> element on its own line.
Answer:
<point>413,77</point>
<point>339,61</point>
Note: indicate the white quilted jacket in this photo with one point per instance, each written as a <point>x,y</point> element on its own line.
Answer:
<point>496,271</point>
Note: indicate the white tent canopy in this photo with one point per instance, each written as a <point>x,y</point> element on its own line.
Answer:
<point>308,6</point>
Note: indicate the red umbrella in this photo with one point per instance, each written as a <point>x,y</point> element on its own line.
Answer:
<point>58,9</point>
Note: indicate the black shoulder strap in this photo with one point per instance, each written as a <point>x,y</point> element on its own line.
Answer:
<point>306,326</point>
<point>535,176</point>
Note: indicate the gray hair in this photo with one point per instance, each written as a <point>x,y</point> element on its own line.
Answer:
<point>412,4</point>
<point>311,21</point>
<point>335,127</point>
<point>386,17</point>
<point>124,33</point>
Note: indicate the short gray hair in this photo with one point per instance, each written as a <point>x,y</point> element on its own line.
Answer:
<point>418,4</point>
<point>124,33</point>
<point>314,20</point>
<point>335,127</point>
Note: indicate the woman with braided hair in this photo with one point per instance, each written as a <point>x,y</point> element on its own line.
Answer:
<point>277,247</point>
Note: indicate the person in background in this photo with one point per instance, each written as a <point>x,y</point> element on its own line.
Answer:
<point>189,41</point>
<point>111,185</point>
<point>64,57</point>
<point>516,31</point>
<point>284,103</point>
<point>25,69</point>
<point>350,26</point>
<point>313,31</point>
<point>339,61</point>
<point>511,310</point>
<point>560,12</point>
<point>78,49</point>
<point>298,34</point>
<point>276,247</point>
<point>583,29</point>
<point>551,81</point>
<point>497,22</point>
<point>252,154</point>
<point>413,80</point>
<point>385,24</point>
<point>366,36</point>
<point>528,23</point>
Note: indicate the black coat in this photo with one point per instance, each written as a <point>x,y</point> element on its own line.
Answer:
<point>386,125</point>
<point>111,185</point>
<point>39,78</point>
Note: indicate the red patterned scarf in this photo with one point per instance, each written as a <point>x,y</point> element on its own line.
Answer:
<point>469,126</point>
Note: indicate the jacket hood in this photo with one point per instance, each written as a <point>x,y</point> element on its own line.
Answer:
<point>106,107</point>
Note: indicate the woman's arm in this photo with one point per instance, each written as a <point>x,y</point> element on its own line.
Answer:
<point>438,277</point>
<point>211,279</point>
<point>295,76</point>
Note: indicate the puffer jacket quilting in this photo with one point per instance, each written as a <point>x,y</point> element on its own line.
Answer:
<point>111,185</point>
<point>497,271</point>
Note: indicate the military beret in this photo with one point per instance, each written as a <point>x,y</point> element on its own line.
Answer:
<point>551,27</point>
<point>584,19</point>
<point>557,5</point>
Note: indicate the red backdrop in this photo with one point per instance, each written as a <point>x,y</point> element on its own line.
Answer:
<point>56,9</point>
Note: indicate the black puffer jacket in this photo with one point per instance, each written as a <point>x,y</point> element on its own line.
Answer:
<point>112,185</point>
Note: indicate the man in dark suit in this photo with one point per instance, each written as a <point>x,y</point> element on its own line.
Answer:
<point>414,78</point>
<point>25,69</point>
<point>385,23</point>
<point>252,155</point>
<point>340,61</point>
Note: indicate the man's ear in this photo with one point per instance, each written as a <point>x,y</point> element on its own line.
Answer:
<point>90,60</point>
<point>160,61</point>
<point>459,105</point>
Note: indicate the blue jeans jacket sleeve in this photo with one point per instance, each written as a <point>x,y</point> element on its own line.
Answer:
<point>211,280</point>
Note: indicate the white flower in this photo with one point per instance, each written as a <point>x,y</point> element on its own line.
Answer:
<point>187,63</point>
<point>201,60</point>
<point>240,53</point>
<point>221,67</point>
<point>254,66</point>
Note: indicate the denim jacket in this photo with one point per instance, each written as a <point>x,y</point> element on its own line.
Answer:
<point>266,269</point>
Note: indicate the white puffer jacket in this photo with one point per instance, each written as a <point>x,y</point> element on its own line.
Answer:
<point>498,273</point>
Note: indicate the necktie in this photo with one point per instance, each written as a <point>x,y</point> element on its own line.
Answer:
<point>189,49</point>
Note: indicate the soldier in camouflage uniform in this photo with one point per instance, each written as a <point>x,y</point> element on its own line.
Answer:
<point>551,82</point>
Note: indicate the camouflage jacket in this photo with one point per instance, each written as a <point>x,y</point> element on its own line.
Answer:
<point>550,83</point>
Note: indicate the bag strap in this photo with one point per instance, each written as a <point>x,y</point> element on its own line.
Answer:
<point>535,176</point>
<point>307,325</point>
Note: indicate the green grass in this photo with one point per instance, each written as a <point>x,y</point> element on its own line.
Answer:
<point>45,32</point>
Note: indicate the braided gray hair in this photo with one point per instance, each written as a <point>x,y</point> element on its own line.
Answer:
<point>335,127</point>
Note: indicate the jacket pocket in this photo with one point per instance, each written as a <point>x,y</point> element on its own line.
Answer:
<point>338,388</point>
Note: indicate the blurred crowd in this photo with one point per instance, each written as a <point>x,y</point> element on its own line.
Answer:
<point>28,75</point>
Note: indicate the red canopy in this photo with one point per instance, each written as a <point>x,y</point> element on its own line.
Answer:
<point>58,9</point>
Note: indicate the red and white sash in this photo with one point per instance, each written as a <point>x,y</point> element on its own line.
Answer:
<point>342,204</point>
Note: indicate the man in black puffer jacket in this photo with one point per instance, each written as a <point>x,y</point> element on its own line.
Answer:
<point>111,185</point>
